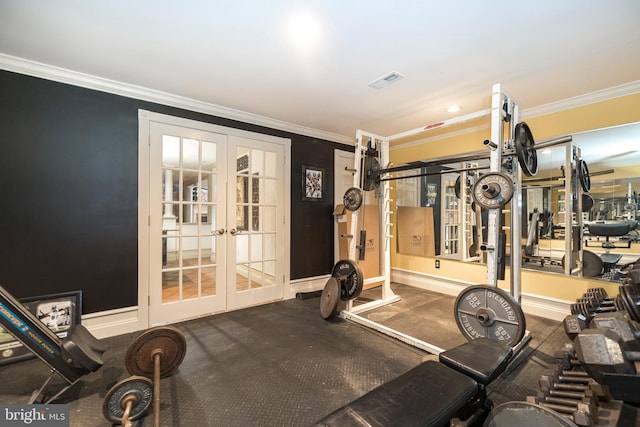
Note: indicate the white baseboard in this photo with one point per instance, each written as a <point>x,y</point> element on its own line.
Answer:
<point>535,305</point>
<point>308,284</point>
<point>105,324</point>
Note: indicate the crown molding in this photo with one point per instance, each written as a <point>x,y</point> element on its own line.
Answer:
<point>630,88</point>
<point>62,75</point>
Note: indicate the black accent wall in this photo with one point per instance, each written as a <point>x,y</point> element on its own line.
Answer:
<point>69,179</point>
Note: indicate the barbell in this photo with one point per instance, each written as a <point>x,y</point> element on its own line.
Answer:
<point>156,354</point>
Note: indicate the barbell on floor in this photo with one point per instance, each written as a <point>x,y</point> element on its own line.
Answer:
<point>156,354</point>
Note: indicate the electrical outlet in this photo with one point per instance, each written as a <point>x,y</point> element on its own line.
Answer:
<point>437,263</point>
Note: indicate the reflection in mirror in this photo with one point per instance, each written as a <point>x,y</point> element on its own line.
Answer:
<point>609,236</point>
<point>613,160</point>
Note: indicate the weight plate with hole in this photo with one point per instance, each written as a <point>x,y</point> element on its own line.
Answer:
<point>350,277</point>
<point>488,311</point>
<point>136,389</point>
<point>167,341</point>
<point>583,176</point>
<point>329,298</point>
<point>493,190</point>
<point>525,149</point>
<point>592,264</point>
<point>352,199</point>
<point>371,179</point>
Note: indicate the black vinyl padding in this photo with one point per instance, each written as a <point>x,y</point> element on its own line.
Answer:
<point>611,229</point>
<point>428,395</point>
<point>84,350</point>
<point>482,359</point>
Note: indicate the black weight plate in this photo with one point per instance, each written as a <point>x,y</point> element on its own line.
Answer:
<point>488,311</point>
<point>137,389</point>
<point>632,299</point>
<point>168,341</point>
<point>371,179</point>
<point>587,202</point>
<point>583,176</point>
<point>350,277</point>
<point>352,199</point>
<point>591,264</point>
<point>329,298</point>
<point>525,149</point>
<point>458,187</point>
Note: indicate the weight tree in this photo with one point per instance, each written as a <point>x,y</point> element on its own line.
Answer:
<point>508,160</point>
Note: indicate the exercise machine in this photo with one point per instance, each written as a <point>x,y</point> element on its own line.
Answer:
<point>72,357</point>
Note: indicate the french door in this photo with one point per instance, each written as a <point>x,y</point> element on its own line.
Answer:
<point>216,220</point>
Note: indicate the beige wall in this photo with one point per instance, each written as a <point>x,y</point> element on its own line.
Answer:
<point>594,116</point>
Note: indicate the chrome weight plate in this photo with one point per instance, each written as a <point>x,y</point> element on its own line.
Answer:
<point>167,341</point>
<point>488,311</point>
<point>135,390</point>
<point>352,199</point>
<point>493,190</point>
<point>350,278</point>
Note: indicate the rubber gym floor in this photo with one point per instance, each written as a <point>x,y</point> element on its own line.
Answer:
<point>281,364</point>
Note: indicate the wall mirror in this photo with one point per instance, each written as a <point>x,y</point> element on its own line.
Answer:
<point>613,159</point>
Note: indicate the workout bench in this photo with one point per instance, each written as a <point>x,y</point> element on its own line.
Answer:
<point>72,357</point>
<point>607,230</point>
<point>432,393</point>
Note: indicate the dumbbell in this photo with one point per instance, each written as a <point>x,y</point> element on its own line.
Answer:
<point>156,353</point>
<point>580,411</point>
<point>128,400</point>
<point>574,324</point>
<point>573,381</point>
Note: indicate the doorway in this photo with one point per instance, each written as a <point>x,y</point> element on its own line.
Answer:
<point>215,219</point>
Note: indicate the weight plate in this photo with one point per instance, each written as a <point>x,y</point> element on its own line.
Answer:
<point>136,389</point>
<point>587,202</point>
<point>167,341</point>
<point>458,187</point>
<point>371,177</point>
<point>488,311</point>
<point>583,176</point>
<point>350,277</point>
<point>525,149</point>
<point>352,199</point>
<point>329,298</point>
<point>591,264</point>
<point>493,190</point>
<point>632,299</point>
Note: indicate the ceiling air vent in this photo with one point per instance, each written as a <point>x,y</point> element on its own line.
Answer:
<point>386,80</point>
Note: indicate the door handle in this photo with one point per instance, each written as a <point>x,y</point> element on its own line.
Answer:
<point>220,232</point>
<point>233,231</point>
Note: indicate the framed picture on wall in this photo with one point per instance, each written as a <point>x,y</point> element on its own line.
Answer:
<point>59,312</point>
<point>312,183</point>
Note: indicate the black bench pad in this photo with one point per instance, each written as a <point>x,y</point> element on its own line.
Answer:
<point>428,395</point>
<point>482,359</point>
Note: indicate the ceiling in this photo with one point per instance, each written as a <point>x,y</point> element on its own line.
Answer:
<point>240,55</point>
